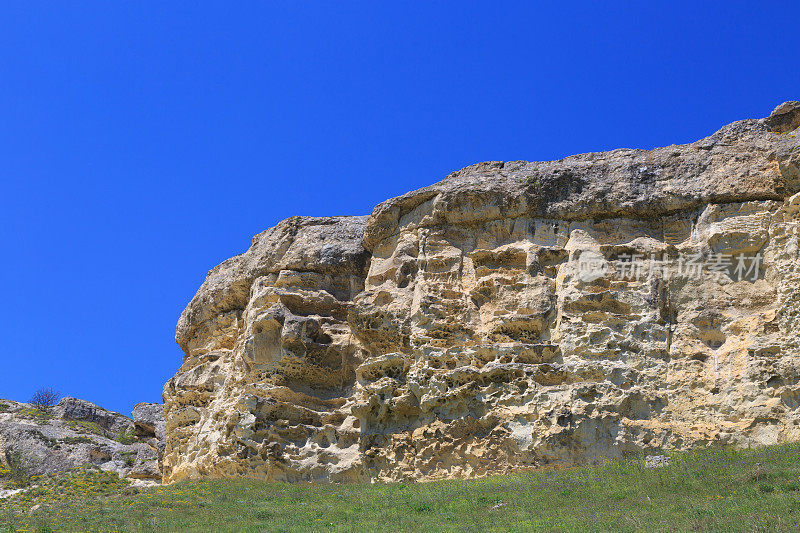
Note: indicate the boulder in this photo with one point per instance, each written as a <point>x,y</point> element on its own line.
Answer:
<point>149,420</point>
<point>83,411</point>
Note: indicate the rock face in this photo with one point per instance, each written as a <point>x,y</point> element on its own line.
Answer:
<point>511,316</point>
<point>148,419</point>
<point>76,433</point>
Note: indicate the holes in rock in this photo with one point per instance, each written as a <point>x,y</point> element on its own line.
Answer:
<point>483,294</point>
<point>527,332</point>
<point>98,455</point>
<point>406,273</point>
<point>775,381</point>
<point>713,339</point>
<point>588,395</point>
<point>637,407</point>
<point>551,257</point>
<point>710,330</point>
<point>765,352</point>
<point>320,337</point>
<point>264,346</point>
<point>600,301</point>
<point>383,298</point>
<point>394,367</point>
<point>486,260</point>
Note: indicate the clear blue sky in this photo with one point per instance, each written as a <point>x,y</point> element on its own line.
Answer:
<point>142,143</point>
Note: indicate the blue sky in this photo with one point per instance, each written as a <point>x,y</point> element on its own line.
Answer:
<point>142,143</point>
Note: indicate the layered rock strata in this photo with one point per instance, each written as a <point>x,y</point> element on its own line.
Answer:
<point>511,316</point>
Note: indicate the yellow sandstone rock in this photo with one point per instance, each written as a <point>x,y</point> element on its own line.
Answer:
<point>512,316</point>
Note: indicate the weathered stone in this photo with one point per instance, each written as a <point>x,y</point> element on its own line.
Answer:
<point>145,463</point>
<point>269,350</point>
<point>656,461</point>
<point>457,332</point>
<point>785,117</point>
<point>81,410</point>
<point>76,433</point>
<point>150,425</point>
<point>149,420</point>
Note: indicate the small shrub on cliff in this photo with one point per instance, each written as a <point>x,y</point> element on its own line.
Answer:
<point>45,398</point>
<point>85,426</point>
<point>19,468</point>
<point>77,440</point>
<point>129,458</point>
<point>126,436</point>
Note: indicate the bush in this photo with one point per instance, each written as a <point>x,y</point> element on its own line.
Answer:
<point>126,436</point>
<point>45,398</point>
<point>19,468</point>
<point>85,426</point>
<point>129,458</point>
<point>80,439</point>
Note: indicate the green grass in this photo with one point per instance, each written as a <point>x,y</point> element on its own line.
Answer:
<point>39,416</point>
<point>126,437</point>
<point>16,472</point>
<point>129,458</point>
<point>80,439</point>
<point>85,426</point>
<point>710,490</point>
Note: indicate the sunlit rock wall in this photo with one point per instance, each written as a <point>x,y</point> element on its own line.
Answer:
<point>512,316</point>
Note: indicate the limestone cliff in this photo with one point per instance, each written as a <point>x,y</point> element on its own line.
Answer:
<point>506,318</point>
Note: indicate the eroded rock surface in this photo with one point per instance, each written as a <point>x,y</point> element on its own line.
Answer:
<point>455,331</point>
<point>150,425</point>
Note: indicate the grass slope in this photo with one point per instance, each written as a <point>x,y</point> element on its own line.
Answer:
<point>710,490</point>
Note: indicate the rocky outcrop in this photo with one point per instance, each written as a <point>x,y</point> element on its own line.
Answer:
<point>76,433</point>
<point>148,419</point>
<point>88,414</point>
<point>270,356</point>
<point>511,316</point>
